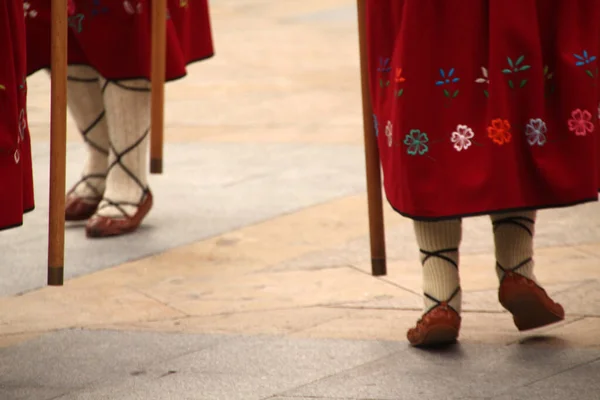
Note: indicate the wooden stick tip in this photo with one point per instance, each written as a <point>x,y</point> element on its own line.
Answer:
<point>379,266</point>
<point>156,166</point>
<point>56,276</point>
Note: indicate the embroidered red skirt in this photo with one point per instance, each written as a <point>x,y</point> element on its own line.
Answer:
<point>114,36</point>
<point>483,106</point>
<point>16,180</point>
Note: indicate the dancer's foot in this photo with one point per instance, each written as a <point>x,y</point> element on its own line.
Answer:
<point>437,327</point>
<point>80,208</point>
<point>100,226</point>
<point>84,197</point>
<point>529,304</point>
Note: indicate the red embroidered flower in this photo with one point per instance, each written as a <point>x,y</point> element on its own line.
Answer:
<point>499,131</point>
<point>399,77</point>
<point>581,122</point>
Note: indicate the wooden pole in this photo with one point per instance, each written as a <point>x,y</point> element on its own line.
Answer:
<point>58,143</point>
<point>159,49</point>
<point>374,195</point>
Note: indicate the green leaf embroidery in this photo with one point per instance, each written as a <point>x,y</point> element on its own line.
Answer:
<point>487,94</point>
<point>446,93</point>
<point>400,92</point>
<point>523,83</point>
<point>455,94</point>
<point>590,73</point>
<point>511,84</point>
<point>520,60</point>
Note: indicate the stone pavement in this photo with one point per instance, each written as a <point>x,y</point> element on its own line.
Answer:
<point>250,279</point>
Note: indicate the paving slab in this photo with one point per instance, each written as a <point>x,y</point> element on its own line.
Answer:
<point>207,190</point>
<point>86,365</point>
<point>580,382</point>
<point>125,365</point>
<point>465,371</point>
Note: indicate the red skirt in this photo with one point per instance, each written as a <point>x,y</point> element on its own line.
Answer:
<point>113,36</point>
<point>16,179</point>
<point>483,106</point>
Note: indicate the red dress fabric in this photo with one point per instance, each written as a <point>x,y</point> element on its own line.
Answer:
<point>16,180</point>
<point>483,106</point>
<point>114,36</point>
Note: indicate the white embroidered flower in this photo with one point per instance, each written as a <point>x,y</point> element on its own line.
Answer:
<point>22,124</point>
<point>389,132</point>
<point>29,13</point>
<point>131,9</point>
<point>484,78</point>
<point>536,132</point>
<point>462,137</point>
<point>598,111</point>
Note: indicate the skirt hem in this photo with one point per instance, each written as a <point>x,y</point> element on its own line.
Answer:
<point>499,211</point>
<point>172,79</point>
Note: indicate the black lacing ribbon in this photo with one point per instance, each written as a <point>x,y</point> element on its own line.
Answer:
<point>84,133</point>
<point>119,162</point>
<point>521,223</point>
<point>440,254</point>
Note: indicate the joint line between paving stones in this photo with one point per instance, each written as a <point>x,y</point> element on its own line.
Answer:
<point>343,371</point>
<point>149,365</point>
<point>547,377</point>
<point>184,317</point>
<point>552,328</point>
<point>205,239</point>
<point>577,285</point>
<point>384,280</point>
<point>158,301</point>
<point>320,398</point>
<point>62,395</point>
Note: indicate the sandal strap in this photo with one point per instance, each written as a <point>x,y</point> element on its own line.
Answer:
<point>441,255</point>
<point>439,303</point>
<point>518,221</point>
<point>95,122</point>
<point>521,222</point>
<point>513,269</point>
<point>85,180</point>
<point>118,161</point>
<point>119,204</point>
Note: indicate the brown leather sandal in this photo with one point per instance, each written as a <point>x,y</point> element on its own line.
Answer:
<point>439,326</point>
<point>79,208</point>
<point>99,226</point>
<point>529,304</point>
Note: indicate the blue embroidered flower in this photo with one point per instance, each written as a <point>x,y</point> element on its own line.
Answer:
<point>376,123</point>
<point>384,65</point>
<point>98,8</point>
<point>536,132</point>
<point>584,59</point>
<point>416,142</point>
<point>447,78</point>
